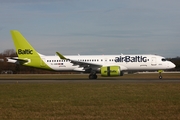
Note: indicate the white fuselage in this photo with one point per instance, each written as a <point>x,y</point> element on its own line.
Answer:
<point>126,62</point>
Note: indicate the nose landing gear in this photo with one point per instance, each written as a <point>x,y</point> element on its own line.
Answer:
<point>160,76</point>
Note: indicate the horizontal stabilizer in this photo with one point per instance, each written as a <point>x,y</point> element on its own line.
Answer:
<point>16,60</point>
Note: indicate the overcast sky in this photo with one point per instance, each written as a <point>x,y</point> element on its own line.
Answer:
<point>93,26</point>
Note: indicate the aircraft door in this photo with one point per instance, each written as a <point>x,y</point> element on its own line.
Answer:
<point>153,61</point>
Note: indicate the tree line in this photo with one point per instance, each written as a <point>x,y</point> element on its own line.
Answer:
<point>6,67</point>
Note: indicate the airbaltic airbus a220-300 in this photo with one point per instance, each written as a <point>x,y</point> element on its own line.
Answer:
<point>107,65</point>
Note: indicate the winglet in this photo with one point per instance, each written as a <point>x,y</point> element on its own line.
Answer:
<point>61,56</point>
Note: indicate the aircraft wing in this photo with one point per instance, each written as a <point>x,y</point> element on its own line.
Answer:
<point>80,63</point>
<point>84,64</point>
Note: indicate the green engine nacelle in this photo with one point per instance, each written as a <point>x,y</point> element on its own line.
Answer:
<point>110,71</point>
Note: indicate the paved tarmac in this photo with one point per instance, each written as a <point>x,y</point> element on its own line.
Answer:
<point>91,81</point>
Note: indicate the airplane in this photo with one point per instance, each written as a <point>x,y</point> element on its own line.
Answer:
<point>106,65</point>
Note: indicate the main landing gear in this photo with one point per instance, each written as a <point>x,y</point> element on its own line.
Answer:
<point>93,75</point>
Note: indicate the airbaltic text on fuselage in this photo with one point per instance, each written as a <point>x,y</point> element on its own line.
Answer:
<point>131,59</point>
<point>25,51</point>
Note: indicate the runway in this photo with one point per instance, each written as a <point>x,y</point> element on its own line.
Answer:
<point>83,78</point>
<point>91,81</point>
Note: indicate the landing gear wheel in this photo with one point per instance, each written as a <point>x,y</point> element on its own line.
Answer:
<point>93,75</point>
<point>160,77</point>
<point>90,76</point>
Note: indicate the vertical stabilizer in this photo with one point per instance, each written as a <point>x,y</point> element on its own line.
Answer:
<point>23,48</point>
<point>27,53</point>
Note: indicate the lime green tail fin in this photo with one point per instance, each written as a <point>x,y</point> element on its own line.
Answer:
<point>23,48</point>
<point>27,55</point>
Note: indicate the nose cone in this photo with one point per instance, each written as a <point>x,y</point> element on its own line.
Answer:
<point>172,65</point>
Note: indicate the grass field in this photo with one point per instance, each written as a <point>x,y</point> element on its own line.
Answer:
<point>90,101</point>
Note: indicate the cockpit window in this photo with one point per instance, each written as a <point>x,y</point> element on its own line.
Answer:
<point>163,59</point>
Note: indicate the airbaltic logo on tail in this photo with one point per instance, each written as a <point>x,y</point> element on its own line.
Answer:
<point>25,51</point>
<point>131,59</point>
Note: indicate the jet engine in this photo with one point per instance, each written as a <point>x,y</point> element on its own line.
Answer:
<point>111,71</point>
